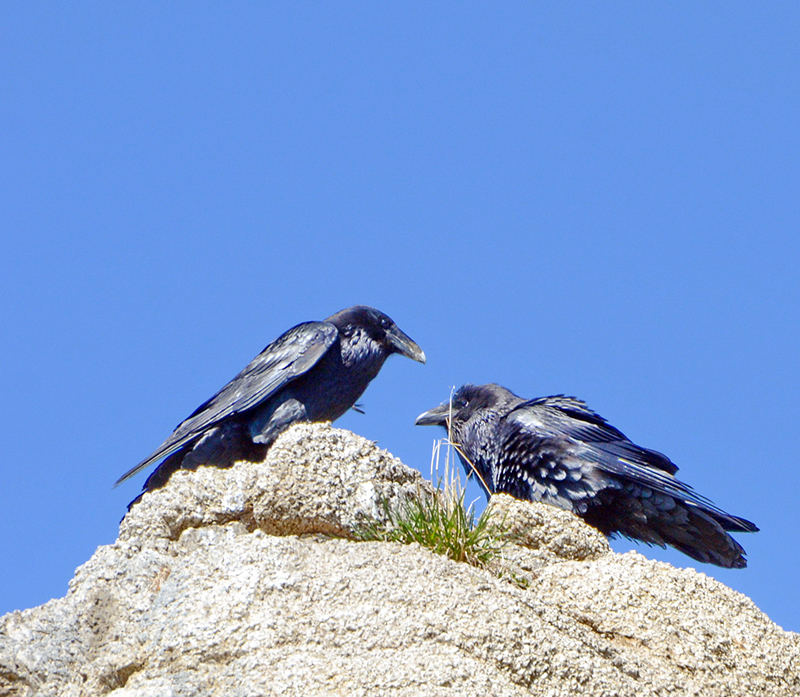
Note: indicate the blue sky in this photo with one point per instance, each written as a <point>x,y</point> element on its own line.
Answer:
<point>563,198</point>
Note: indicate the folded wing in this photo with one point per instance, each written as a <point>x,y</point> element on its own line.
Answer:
<point>291,355</point>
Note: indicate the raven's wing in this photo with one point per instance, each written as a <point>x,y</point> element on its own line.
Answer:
<point>571,417</point>
<point>289,356</point>
<point>568,430</point>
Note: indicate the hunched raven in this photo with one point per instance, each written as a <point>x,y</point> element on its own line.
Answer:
<point>558,451</point>
<point>314,372</point>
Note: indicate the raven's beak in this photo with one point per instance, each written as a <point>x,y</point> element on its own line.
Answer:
<point>404,345</point>
<point>435,417</point>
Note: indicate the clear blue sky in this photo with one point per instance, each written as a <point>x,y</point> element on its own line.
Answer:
<point>575,198</point>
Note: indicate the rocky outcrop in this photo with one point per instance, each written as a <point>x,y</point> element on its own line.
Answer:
<point>247,581</point>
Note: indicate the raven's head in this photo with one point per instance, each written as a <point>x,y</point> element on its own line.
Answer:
<point>468,401</point>
<point>361,324</point>
<point>470,418</point>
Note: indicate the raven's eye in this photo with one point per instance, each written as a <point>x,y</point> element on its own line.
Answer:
<point>385,322</point>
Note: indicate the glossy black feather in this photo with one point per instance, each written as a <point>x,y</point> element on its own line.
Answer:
<point>558,451</point>
<point>313,372</point>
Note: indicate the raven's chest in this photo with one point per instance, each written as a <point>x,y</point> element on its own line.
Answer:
<point>333,386</point>
<point>477,442</point>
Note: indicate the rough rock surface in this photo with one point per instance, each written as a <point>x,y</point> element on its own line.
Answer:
<point>246,581</point>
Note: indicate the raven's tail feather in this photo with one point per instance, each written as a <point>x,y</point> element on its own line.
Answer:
<point>697,531</point>
<point>703,537</point>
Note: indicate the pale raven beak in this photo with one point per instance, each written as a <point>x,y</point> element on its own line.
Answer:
<point>435,417</point>
<point>404,345</point>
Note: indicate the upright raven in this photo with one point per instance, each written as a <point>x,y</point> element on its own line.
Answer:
<point>314,372</point>
<point>558,451</point>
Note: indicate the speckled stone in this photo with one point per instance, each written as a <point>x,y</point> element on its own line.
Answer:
<point>244,581</point>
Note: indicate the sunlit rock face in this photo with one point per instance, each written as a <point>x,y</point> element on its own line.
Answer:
<point>248,581</point>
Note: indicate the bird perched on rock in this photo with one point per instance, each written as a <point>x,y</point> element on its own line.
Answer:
<point>314,372</point>
<point>558,451</point>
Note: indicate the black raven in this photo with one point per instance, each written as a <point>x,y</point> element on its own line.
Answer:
<point>314,372</point>
<point>558,451</point>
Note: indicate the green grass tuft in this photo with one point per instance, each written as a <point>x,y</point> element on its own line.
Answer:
<point>441,521</point>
